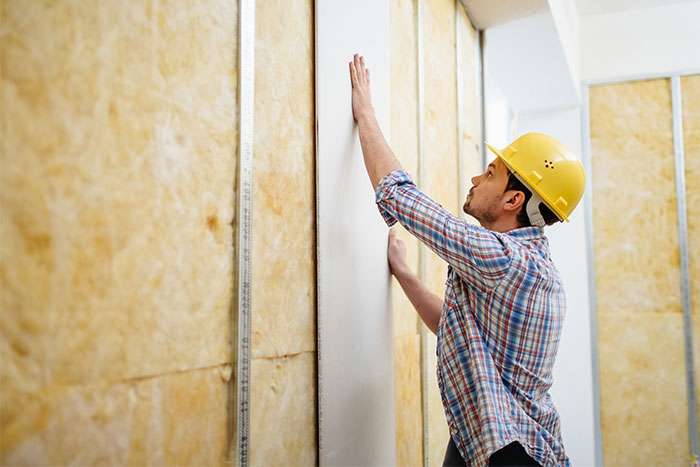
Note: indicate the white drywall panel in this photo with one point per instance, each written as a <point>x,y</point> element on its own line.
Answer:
<point>356,396</point>
<point>566,21</point>
<point>529,61</point>
<point>498,114</point>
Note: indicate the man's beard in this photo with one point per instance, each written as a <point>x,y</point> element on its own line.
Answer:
<point>482,216</point>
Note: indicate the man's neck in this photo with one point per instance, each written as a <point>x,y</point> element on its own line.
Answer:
<point>502,225</point>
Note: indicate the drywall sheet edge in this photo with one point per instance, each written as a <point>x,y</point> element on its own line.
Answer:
<point>356,394</point>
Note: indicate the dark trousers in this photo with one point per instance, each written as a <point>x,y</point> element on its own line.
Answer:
<point>513,455</point>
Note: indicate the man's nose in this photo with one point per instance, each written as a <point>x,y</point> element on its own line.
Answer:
<point>475,180</point>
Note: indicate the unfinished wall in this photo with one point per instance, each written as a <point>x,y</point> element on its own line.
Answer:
<point>403,138</point>
<point>446,178</point>
<point>283,376</point>
<point>119,153</point>
<point>640,326</point>
<point>440,180</point>
<point>469,106</point>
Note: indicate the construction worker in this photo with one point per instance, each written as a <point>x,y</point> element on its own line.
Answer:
<point>499,323</point>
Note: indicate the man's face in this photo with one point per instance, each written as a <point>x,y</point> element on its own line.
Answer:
<point>485,199</point>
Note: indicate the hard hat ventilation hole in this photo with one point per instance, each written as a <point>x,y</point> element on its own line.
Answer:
<point>548,164</point>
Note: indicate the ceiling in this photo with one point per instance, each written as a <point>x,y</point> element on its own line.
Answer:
<point>488,13</point>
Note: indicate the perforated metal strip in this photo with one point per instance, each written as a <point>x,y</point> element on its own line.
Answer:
<point>246,96</point>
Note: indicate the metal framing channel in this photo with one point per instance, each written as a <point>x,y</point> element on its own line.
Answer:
<point>420,82</point>
<point>588,214</point>
<point>685,274</point>
<point>482,97</point>
<point>461,187</point>
<point>246,97</point>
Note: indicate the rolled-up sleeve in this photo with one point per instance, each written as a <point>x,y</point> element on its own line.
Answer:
<point>480,256</point>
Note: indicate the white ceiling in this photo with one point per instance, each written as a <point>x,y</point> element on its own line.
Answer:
<point>488,13</point>
<point>594,7</point>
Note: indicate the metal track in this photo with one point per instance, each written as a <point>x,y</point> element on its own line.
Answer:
<point>679,153</point>
<point>461,187</point>
<point>422,257</point>
<point>246,95</point>
<point>482,99</point>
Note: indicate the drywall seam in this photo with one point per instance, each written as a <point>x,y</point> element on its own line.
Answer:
<point>422,254</point>
<point>685,273</point>
<point>246,90</point>
<point>588,214</point>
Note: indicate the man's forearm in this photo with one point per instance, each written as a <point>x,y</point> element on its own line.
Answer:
<point>379,159</point>
<point>427,304</point>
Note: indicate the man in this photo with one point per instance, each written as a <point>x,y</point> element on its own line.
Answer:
<point>499,324</point>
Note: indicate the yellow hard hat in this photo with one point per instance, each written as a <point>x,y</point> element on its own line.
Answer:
<point>544,165</point>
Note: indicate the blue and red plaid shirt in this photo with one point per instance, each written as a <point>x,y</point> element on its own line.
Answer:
<point>499,327</point>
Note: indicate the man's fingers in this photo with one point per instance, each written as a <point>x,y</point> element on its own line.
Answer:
<point>359,72</point>
<point>353,74</point>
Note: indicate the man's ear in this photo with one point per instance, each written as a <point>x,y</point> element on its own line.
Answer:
<point>514,200</point>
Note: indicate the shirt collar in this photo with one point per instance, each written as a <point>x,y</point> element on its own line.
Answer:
<point>527,233</point>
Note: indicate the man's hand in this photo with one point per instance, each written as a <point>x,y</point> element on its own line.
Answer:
<point>361,98</point>
<point>397,254</point>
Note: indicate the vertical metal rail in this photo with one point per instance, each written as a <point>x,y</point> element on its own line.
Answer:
<point>246,96</point>
<point>461,187</point>
<point>482,98</point>
<point>679,154</point>
<point>588,214</point>
<point>420,84</point>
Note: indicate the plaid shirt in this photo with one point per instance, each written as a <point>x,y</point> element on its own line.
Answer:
<point>499,327</point>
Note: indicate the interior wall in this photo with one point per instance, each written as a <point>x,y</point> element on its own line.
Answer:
<point>469,107</point>
<point>116,260</point>
<point>445,178</point>
<point>403,139</point>
<point>640,326</point>
<point>440,107</point>
<point>663,39</point>
<point>283,319</point>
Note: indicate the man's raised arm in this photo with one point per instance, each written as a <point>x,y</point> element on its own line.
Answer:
<point>379,159</point>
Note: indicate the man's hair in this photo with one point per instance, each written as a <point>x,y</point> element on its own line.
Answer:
<point>523,220</point>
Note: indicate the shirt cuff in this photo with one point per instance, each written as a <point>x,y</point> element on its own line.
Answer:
<point>386,190</point>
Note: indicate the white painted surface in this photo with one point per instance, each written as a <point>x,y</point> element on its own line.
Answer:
<point>527,59</point>
<point>356,395</point>
<point>637,42</point>
<point>566,22</point>
<point>498,114</point>
<point>572,390</point>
